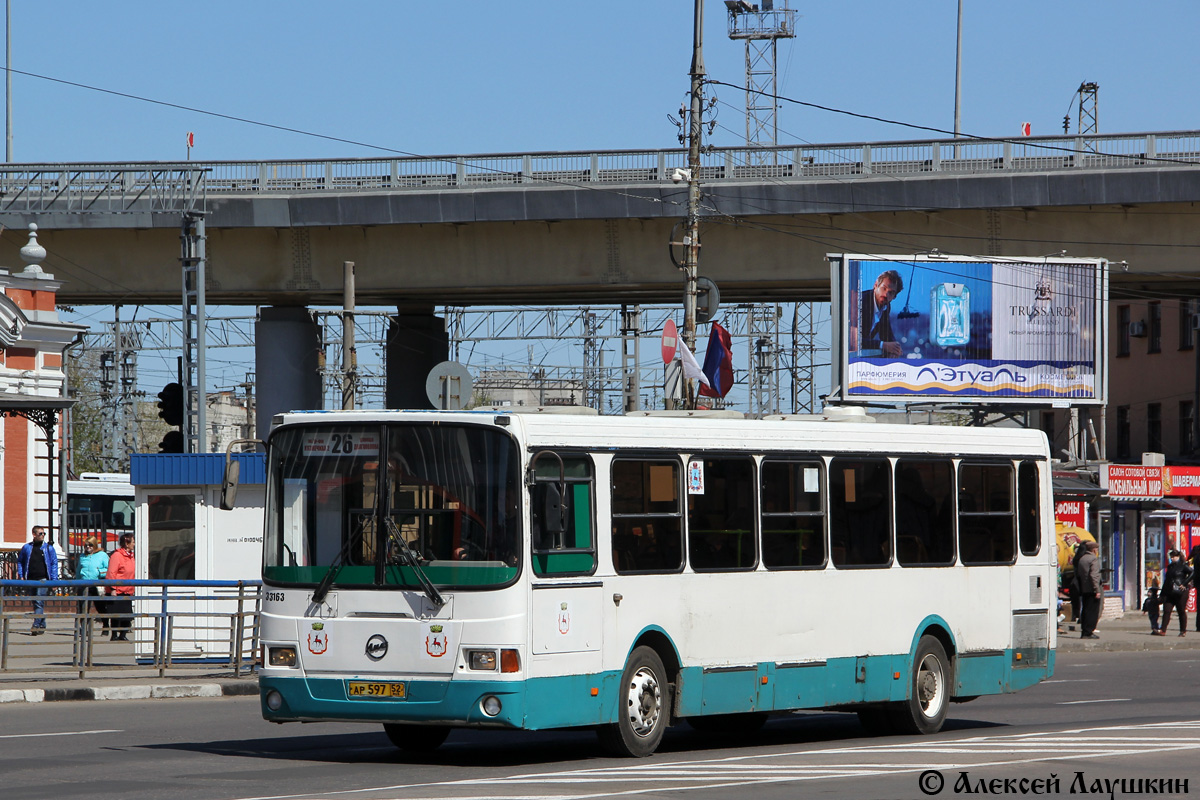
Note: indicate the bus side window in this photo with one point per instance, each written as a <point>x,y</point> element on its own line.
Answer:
<point>646,516</point>
<point>571,551</point>
<point>1029,501</point>
<point>924,512</point>
<point>860,506</point>
<point>986,530</point>
<point>721,519</point>
<point>793,514</point>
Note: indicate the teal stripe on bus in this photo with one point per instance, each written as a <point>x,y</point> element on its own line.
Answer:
<point>568,701</point>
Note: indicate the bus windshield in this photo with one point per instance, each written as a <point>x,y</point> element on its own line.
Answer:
<point>390,506</point>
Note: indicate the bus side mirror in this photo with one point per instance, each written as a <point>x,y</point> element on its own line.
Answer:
<point>233,469</point>
<point>229,484</point>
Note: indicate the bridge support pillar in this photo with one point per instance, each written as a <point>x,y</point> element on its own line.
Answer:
<point>416,343</point>
<point>287,376</point>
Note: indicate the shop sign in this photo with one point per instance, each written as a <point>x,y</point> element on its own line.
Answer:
<point>1071,512</point>
<point>1180,481</point>
<point>1133,482</point>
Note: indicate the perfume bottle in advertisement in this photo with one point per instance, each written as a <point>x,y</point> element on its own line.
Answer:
<point>950,314</point>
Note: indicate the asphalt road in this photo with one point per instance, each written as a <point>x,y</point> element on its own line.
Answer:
<point>1104,716</point>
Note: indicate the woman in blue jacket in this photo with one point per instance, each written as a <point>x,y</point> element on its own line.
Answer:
<point>92,567</point>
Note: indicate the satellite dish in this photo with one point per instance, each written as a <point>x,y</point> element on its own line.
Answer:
<point>448,386</point>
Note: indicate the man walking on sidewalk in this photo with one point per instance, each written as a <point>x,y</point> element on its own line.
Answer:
<point>1087,572</point>
<point>38,562</point>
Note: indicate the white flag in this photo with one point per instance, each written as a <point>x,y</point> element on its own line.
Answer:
<point>691,369</point>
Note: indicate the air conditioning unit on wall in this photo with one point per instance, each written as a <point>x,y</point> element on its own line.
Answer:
<point>1137,329</point>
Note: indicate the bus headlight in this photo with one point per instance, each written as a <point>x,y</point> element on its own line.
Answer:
<point>274,700</point>
<point>482,659</point>
<point>281,656</point>
<point>491,705</point>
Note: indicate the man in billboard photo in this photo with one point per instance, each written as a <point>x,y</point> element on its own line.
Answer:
<point>870,318</point>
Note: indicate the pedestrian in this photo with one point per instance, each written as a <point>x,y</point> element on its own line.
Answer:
<point>1177,583</point>
<point>120,607</point>
<point>1195,559</point>
<point>1087,574</point>
<point>93,566</point>
<point>37,561</point>
<point>1150,607</point>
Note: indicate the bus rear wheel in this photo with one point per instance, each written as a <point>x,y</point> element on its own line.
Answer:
<point>416,738</point>
<point>929,693</point>
<point>643,707</point>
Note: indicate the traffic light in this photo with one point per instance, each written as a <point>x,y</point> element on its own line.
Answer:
<point>171,443</point>
<point>170,404</point>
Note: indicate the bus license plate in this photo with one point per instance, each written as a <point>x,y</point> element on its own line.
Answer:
<point>390,690</point>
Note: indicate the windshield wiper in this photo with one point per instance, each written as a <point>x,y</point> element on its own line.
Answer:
<point>330,574</point>
<point>410,558</point>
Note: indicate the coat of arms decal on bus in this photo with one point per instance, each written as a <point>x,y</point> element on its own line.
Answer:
<point>318,642</point>
<point>435,642</point>
<point>564,620</point>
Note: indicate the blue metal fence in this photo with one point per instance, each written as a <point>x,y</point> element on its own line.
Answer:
<point>174,624</point>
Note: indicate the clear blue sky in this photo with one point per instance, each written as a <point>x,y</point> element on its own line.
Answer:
<point>474,76</point>
<point>477,77</point>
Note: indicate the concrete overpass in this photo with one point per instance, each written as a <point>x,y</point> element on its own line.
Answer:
<point>594,227</point>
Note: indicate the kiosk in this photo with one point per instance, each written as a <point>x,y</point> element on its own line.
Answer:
<point>182,534</point>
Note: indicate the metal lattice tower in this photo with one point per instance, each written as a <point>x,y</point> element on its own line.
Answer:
<point>1088,122</point>
<point>761,27</point>
<point>119,394</point>
<point>192,377</point>
<point>804,346</point>
<point>593,362</point>
<point>762,327</point>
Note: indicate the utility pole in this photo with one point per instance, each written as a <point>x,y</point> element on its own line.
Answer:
<point>691,239</point>
<point>349,352</point>
<point>958,81</point>
<point>8,81</point>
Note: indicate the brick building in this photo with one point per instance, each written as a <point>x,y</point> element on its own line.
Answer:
<point>32,397</point>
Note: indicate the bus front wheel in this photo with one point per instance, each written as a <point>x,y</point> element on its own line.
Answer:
<point>929,693</point>
<point>644,707</point>
<point>416,738</point>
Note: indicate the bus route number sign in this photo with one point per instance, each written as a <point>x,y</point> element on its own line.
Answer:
<point>341,443</point>
<point>377,690</point>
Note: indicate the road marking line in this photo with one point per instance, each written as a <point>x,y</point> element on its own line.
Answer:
<point>1082,702</point>
<point>63,733</point>
<point>731,771</point>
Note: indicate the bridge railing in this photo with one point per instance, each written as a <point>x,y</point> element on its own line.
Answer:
<point>167,185</point>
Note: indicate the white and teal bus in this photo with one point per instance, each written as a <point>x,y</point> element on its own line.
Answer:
<point>495,569</point>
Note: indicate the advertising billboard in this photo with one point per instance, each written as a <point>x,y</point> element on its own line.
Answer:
<point>926,328</point>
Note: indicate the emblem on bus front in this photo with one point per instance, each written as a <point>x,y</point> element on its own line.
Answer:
<point>435,642</point>
<point>377,647</point>
<point>318,642</point>
<point>564,620</point>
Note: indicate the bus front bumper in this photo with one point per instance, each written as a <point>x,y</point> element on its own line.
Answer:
<point>433,702</point>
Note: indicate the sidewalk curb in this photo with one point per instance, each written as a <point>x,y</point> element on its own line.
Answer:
<point>134,692</point>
